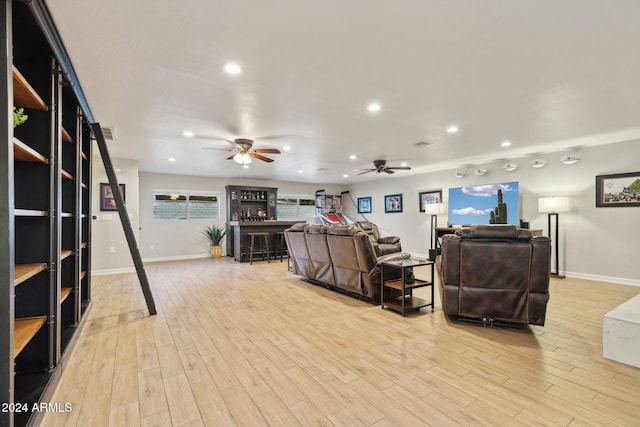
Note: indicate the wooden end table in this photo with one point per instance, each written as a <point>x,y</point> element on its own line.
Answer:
<point>406,301</point>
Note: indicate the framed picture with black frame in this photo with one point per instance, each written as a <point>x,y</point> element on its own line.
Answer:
<point>107,202</point>
<point>364,205</point>
<point>426,197</point>
<point>618,190</point>
<point>393,203</point>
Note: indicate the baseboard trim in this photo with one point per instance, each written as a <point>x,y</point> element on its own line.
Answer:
<point>113,271</point>
<point>127,270</point>
<point>177,258</point>
<point>597,278</point>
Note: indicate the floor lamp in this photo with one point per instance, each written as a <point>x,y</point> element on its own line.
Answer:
<point>433,209</point>
<point>553,206</point>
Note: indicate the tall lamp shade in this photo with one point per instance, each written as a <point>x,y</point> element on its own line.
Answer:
<point>552,206</point>
<point>433,209</point>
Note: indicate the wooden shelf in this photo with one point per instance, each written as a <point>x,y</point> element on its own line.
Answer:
<point>23,330</point>
<point>23,152</point>
<point>66,214</point>
<point>22,272</point>
<point>397,284</point>
<point>64,293</point>
<point>24,95</point>
<point>66,175</point>
<point>64,254</point>
<point>84,186</point>
<point>82,274</point>
<point>84,156</point>
<point>30,212</point>
<point>410,303</point>
<point>83,245</point>
<point>65,136</point>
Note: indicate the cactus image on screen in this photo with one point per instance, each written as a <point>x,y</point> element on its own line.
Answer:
<point>484,204</point>
<point>499,214</point>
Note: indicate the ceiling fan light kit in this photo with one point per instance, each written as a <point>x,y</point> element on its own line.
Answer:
<point>242,158</point>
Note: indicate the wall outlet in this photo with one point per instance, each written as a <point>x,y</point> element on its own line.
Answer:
<point>112,249</point>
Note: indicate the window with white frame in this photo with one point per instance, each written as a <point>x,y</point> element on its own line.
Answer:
<point>179,204</point>
<point>302,208</point>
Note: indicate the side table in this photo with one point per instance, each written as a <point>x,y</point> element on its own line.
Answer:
<point>406,301</point>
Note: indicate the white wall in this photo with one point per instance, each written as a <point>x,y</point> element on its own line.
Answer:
<point>595,243</point>
<point>107,229</point>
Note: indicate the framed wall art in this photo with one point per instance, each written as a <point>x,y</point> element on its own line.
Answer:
<point>427,197</point>
<point>107,202</point>
<point>364,204</point>
<point>618,190</point>
<point>393,203</point>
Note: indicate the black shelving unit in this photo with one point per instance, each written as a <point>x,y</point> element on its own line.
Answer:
<point>249,204</point>
<point>45,230</point>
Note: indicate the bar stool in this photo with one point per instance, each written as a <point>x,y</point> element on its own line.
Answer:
<point>262,250</point>
<point>280,246</point>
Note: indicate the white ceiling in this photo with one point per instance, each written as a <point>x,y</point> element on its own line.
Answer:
<point>547,75</point>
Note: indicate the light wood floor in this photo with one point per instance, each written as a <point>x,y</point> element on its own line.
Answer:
<point>254,345</point>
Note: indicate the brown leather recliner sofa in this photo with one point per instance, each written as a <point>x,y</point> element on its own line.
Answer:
<point>338,256</point>
<point>382,245</point>
<point>495,273</point>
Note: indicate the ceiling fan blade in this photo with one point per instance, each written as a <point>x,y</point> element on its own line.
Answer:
<point>235,144</point>
<point>217,149</point>
<point>231,156</point>
<point>260,157</point>
<point>367,171</point>
<point>267,150</point>
<point>388,170</point>
<point>403,168</point>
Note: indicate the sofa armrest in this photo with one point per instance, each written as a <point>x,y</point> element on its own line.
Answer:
<point>389,240</point>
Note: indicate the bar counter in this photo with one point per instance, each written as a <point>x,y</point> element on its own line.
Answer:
<point>238,245</point>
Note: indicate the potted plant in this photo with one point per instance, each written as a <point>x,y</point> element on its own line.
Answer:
<point>19,117</point>
<point>214,235</point>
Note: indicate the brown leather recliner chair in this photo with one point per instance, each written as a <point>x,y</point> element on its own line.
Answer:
<point>382,245</point>
<point>495,273</point>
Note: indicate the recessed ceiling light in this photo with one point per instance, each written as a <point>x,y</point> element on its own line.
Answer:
<point>374,107</point>
<point>459,174</point>
<point>452,129</point>
<point>232,68</point>
<point>422,144</point>
<point>505,143</point>
<point>245,166</point>
<point>286,148</point>
<point>538,163</point>
<point>510,167</point>
<point>352,157</point>
<point>403,164</point>
<point>345,176</point>
<point>570,160</point>
<point>172,159</point>
<point>480,172</point>
<point>187,133</point>
<point>300,171</point>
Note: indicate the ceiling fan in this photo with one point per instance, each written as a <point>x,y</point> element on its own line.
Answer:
<point>244,151</point>
<point>381,166</point>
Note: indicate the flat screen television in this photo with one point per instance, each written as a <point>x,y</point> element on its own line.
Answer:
<point>484,204</point>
